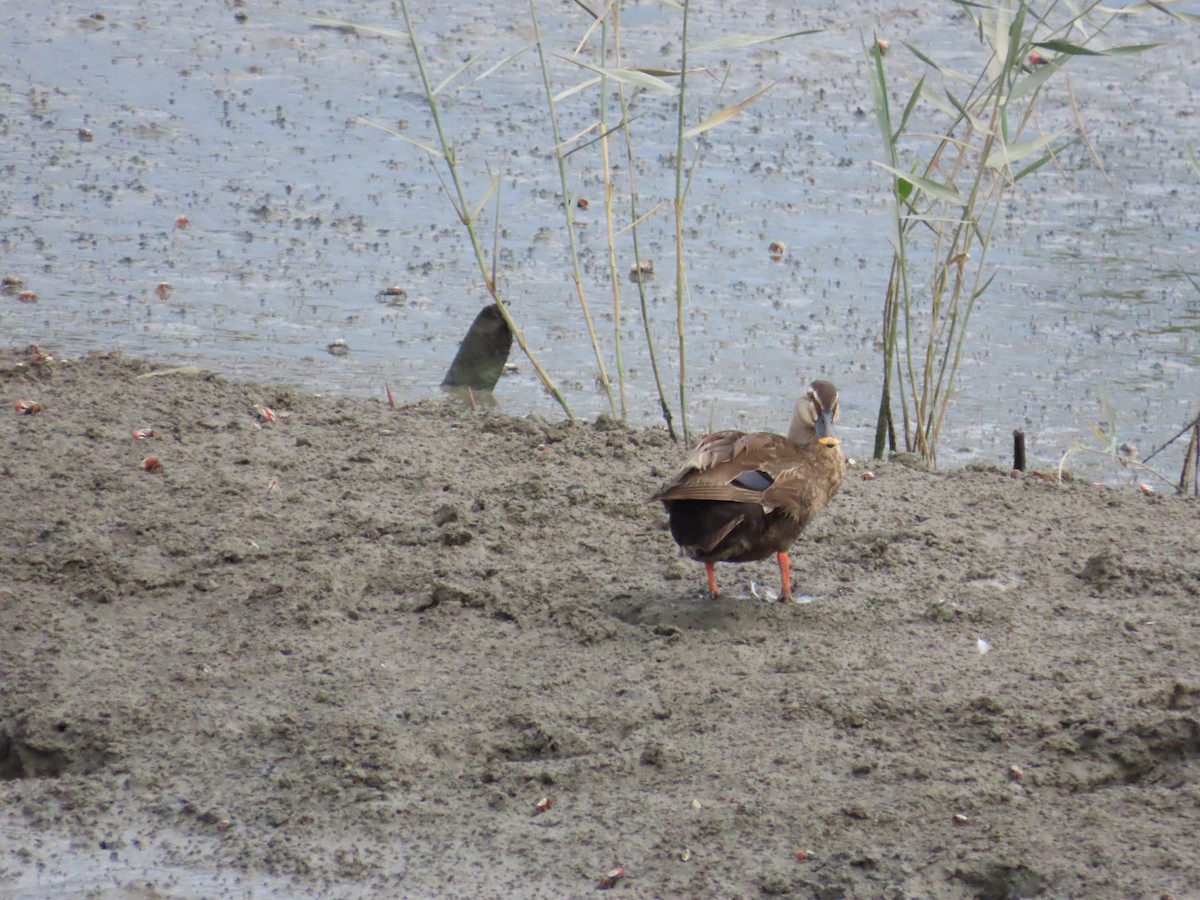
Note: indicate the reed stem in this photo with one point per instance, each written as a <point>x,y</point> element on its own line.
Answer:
<point>465,215</point>
<point>678,206</point>
<point>569,213</point>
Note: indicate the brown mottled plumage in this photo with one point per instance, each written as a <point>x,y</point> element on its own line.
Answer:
<point>742,496</point>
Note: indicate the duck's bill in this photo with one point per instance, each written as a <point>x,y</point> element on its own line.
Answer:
<point>824,425</point>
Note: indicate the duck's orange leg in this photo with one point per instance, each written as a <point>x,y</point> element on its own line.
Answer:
<point>785,577</point>
<point>712,579</point>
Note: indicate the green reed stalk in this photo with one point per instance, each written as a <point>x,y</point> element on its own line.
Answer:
<point>679,197</point>
<point>896,297</point>
<point>468,217</point>
<point>609,224</point>
<point>634,218</point>
<point>569,213</point>
<point>629,80</point>
<point>953,231</point>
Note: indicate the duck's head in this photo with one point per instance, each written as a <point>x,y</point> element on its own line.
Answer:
<point>816,411</point>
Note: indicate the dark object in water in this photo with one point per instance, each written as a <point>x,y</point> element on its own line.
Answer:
<point>482,354</point>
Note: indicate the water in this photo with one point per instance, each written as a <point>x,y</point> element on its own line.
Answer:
<point>133,865</point>
<point>298,214</point>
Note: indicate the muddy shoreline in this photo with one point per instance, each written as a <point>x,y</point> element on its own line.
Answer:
<point>346,654</point>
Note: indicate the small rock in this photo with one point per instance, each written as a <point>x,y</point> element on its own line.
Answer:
<point>1100,571</point>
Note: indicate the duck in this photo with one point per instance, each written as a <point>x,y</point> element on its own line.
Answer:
<point>743,496</point>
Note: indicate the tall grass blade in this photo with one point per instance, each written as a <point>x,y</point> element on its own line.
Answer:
<point>724,115</point>
<point>492,186</point>
<point>638,78</point>
<point>923,58</point>
<point>1033,82</point>
<point>1041,161</point>
<point>636,218</point>
<point>575,89</point>
<point>459,200</point>
<point>432,151</point>
<point>741,41</point>
<point>913,98</point>
<point>380,30</point>
<point>938,191</point>
<point>504,62</point>
<point>1007,154</point>
<point>948,207</point>
<point>679,195</point>
<point>877,81</point>
<point>1069,49</point>
<point>576,273</point>
<point>603,134</point>
<point>609,225</point>
<point>449,79</point>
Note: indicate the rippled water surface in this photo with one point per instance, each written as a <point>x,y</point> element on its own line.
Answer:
<point>298,214</point>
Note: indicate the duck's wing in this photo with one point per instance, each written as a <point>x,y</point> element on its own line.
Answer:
<point>732,466</point>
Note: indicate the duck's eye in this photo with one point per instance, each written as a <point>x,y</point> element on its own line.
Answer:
<point>753,480</point>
